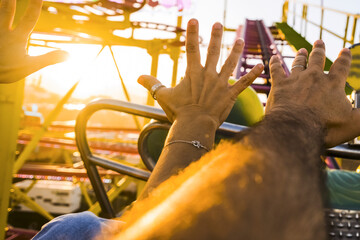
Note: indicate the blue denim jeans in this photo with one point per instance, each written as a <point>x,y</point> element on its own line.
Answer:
<point>78,226</point>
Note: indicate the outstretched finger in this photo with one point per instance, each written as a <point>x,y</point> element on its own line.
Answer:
<point>192,44</point>
<point>317,56</point>
<point>276,69</point>
<point>247,80</point>
<point>214,46</point>
<point>232,60</point>
<point>30,17</point>
<point>38,62</point>
<point>7,13</point>
<point>339,71</point>
<point>299,63</point>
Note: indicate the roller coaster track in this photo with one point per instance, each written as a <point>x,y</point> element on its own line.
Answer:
<point>259,46</point>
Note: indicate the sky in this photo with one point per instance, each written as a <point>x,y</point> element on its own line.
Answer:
<point>99,77</point>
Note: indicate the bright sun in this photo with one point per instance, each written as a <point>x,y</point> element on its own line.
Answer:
<point>96,71</point>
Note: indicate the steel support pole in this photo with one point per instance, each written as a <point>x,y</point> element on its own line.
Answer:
<point>175,54</point>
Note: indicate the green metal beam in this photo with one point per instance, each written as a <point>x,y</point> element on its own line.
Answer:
<point>298,41</point>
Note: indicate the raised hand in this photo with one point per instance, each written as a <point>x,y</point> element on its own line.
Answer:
<point>313,89</point>
<point>203,90</point>
<point>15,64</point>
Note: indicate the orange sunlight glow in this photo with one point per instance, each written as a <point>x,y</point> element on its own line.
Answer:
<point>96,72</point>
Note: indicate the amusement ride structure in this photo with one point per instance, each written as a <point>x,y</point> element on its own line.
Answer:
<point>100,177</point>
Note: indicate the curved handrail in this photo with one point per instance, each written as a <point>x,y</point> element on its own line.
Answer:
<point>91,162</point>
<point>143,147</point>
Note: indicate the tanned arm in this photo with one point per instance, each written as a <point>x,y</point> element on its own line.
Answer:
<point>198,105</point>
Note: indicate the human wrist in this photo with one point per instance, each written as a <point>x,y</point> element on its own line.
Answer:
<point>193,127</point>
<point>287,131</point>
<point>198,118</point>
<point>196,112</point>
<point>299,113</point>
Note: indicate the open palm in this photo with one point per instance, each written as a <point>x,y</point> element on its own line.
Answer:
<point>15,63</point>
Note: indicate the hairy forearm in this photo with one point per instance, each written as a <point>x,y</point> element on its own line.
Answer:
<point>266,185</point>
<point>178,155</point>
<point>288,145</point>
<point>286,134</point>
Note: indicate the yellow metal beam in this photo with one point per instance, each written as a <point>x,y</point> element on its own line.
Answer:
<point>37,136</point>
<point>27,201</point>
<point>11,99</point>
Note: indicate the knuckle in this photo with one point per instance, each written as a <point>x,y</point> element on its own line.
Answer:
<point>334,76</point>
<point>191,48</point>
<point>318,52</point>
<point>274,64</point>
<point>300,59</point>
<point>237,49</point>
<point>346,54</point>
<point>213,50</point>
<point>275,67</point>
<point>206,73</point>
<point>342,70</point>
<point>228,67</point>
<point>232,65</point>
<point>344,61</point>
<point>315,73</point>
<point>247,78</point>
<point>216,34</point>
<point>191,29</point>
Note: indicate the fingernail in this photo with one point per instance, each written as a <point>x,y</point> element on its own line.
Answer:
<point>318,42</point>
<point>302,51</point>
<point>217,25</point>
<point>259,66</point>
<point>193,21</point>
<point>345,50</point>
<point>239,41</point>
<point>275,57</point>
<point>141,79</point>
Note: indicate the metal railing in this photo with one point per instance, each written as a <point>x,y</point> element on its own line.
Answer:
<point>353,18</point>
<point>91,162</point>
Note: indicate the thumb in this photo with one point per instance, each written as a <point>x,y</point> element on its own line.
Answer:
<point>148,81</point>
<point>346,132</point>
<point>152,84</point>
<point>355,120</point>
